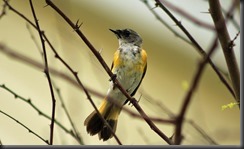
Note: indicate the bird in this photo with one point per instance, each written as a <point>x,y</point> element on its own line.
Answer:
<point>129,67</point>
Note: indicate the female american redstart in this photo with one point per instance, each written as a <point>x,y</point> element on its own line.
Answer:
<point>129,66</point>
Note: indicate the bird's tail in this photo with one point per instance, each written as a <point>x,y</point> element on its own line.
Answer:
<point>94,124</point>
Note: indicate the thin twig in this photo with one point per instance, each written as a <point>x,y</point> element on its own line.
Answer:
<point>75,131</point>
<point>187,15</point>
<point>105,66</point>
<point>3,11</point>
<point>188,97</point>
<point>46,71</point>
<point>226,44</point>
<point>29,130</point>
<point>202,132</point>
<point>195,43</point>
<point>34,40</point>
<point>164,23</point>
<point>41,113</point>
<point>167,110</point>
<point>234,22</point>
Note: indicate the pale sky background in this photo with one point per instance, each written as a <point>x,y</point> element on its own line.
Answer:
<point>170,63</point>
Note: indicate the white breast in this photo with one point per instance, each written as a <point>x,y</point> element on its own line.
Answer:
<point>127,75</point>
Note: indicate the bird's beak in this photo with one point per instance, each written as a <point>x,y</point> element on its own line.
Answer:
<point>116,32</point>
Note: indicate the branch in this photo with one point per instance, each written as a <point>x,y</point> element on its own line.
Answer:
<point>164,23</point>
<point>46,71</point>
<point>167,110</point>
<point>234,22</point>
<point>197,46</point>
<point>202,132</point>
<point>29,102</point>
<point>189,94</point>
<point>187,15</point>
<point>75,131</point>
<point>227,45</point>
<point>105,66</point>
<point>3,11</point>
<point>30,131</point>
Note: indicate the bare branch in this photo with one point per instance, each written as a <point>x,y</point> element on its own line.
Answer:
<point>167,110</point>
<point>3,11</point>
<point>41,113</point>
<point>188,97</point>
<point>202,132</point>
<point>164,23</point>
<point>46,71</point>
<point>29,130</point>
<point>195,43</point>
<point>224,38</point>
<point>75,131</point>
<point>187,15</point>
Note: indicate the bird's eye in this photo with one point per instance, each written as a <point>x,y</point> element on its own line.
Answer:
<point>126,33</point>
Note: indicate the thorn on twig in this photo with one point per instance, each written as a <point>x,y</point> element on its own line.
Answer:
<point>139,98</point>
<point>171,138</point>
<point>100,51</point>
<point>78,25</point>
<point>56,55</point>
<point>232,44</point>
<point>71,132</point>
<point>29,100</point>
<point>133,102</point>
<point>45,71</point>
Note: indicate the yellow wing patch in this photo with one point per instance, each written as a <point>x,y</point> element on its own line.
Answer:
<point>116,61</point>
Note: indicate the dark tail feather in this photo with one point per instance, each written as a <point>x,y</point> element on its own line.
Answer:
<point>93,123</point>
<point>105,133</point>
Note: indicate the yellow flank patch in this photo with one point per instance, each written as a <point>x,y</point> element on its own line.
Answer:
<point>102,109</point>
<point>144,56</point>
<point>116,61</point>
<point>143,60</point>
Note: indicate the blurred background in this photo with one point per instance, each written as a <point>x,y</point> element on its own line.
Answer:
<point>172,64</point>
